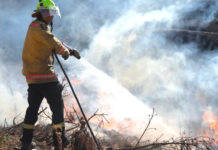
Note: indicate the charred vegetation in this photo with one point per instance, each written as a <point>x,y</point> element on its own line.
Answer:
<point>192,29</point>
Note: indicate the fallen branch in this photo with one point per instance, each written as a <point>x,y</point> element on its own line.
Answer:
<point>188,143</point>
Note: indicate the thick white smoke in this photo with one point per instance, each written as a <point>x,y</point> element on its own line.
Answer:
<point>12,100</point>
<point>97,91</point>
<point>159,72</point>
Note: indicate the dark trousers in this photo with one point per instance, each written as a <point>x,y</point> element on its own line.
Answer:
<point>36,93</point>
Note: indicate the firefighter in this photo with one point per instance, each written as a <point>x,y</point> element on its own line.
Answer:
<point>38,61</point>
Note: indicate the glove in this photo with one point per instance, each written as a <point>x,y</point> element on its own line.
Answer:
<point>75,53</point>
<point>65,55</point>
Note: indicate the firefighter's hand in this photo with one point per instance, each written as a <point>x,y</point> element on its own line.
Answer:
<point>75,53</point>
<point>65,55</point>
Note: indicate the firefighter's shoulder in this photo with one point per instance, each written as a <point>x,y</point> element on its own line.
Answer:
<point>39,24</point>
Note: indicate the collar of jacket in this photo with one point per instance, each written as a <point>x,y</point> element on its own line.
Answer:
<point>41,19</point>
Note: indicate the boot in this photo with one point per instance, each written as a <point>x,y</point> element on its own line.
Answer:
<point>64,139</point>
<point>28,146</point>
<point>64,145</point>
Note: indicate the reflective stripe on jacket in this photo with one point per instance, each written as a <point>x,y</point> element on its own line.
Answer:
<point>38,60</point>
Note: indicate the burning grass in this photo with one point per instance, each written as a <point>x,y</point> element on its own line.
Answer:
<point>80,138</point>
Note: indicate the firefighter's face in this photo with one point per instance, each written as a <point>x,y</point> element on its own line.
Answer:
<point>48,15</point>
<point>48,19</point>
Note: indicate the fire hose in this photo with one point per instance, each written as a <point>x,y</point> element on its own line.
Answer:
<point>77,100</point>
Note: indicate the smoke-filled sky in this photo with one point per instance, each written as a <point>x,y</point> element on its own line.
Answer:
<point>115,36</point>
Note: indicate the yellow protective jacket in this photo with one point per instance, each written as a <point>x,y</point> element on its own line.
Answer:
<point>38,60</point>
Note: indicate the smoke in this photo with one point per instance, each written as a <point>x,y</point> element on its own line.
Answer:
<point>120,38</point>
<point>82,19</point>
<point>159,72</point>
<point>12,101</point>
<point>97,91</point>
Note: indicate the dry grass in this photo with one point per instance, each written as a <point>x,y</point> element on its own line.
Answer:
<point>80,138</point>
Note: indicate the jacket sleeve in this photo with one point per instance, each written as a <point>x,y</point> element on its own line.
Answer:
<point>43,34</point>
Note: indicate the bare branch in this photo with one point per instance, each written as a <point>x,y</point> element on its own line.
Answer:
<point>22,121</point>
<point>146,128</point>
<point>93,115</point>
<point>46,115</point>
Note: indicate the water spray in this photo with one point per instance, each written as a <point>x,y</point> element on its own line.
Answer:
<point>77,100</point>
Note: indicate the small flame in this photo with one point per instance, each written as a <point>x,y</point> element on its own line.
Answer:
<point>212,123</point>
<point>76,82</point>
